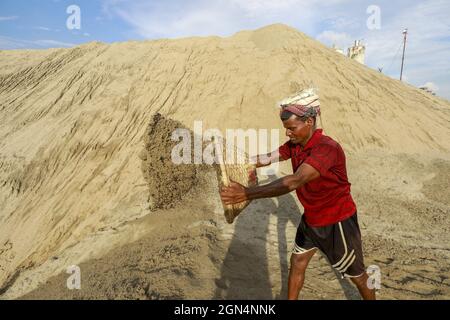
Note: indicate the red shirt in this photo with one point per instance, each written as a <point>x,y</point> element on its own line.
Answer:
<point>326,199</point>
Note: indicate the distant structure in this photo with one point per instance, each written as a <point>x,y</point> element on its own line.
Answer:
<point>427,89</point>
<point>357,52</point>
<point>405,33</point>
<point>337,49</point>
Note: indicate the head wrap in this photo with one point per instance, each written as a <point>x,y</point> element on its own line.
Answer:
<point>303,104</point>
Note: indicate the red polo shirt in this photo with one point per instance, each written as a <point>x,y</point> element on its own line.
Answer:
<point>326,199</point>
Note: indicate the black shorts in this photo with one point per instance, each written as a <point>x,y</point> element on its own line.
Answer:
<point>340,242</point>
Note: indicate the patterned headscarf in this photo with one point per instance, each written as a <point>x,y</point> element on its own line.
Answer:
<point>303,104</point>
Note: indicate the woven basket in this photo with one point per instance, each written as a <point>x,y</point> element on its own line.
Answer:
<point>244,174</point>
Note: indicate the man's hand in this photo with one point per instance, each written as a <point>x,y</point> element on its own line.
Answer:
<point>263,160</point>
<point>234,193</point>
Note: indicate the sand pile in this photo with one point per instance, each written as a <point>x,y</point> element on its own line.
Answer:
<point>166,263</point>
<point>74,123</point>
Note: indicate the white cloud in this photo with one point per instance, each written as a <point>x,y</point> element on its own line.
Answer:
<point>7,43</point>
<point>9,18</point>
<point>150,23</point>
<point>329,37</point>
<point>431,86</point>
<point>254,8</point>
<point>171,19</point>
<point>345,23</point>
<point>52,43</point>
<point>42,28</point>
<point>263,5</point>
<point>427,51</point>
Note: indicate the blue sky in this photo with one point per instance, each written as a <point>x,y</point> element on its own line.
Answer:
<point>42,24</point>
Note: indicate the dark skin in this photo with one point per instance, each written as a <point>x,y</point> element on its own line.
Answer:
<point>299,132</point>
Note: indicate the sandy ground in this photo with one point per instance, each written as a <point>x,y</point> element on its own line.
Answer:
<point>189,252</point>
<point>81,183</point>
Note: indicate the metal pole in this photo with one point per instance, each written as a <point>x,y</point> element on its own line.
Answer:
<point>405,32</point>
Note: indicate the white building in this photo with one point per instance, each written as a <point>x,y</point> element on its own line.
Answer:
<point>427,89</point>
<point>357,52</point>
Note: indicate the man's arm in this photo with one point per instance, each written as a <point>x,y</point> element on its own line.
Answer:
<point>236,193</point>
<point>263,160</point>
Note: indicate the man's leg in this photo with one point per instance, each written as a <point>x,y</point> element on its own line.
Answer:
<point>299,262</point>
<point>361,284</point>
<point>346,255</point>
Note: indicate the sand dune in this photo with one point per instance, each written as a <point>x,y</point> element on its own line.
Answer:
<point>73,188</point>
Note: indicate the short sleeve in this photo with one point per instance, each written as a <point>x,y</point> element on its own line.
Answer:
<point>322,158</point>
<point>285,151</point>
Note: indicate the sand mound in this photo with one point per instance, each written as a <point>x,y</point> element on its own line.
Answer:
<point>170,262</point>
<point>72,123</point>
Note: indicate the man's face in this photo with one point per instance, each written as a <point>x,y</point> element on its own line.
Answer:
<point>297,130</point>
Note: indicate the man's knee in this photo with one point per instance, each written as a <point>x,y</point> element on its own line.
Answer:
<point>299,262</point>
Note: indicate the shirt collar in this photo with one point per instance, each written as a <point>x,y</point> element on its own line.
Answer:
<point>317,134</point>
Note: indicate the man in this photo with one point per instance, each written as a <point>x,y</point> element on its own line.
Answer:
<point>329,222</point>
